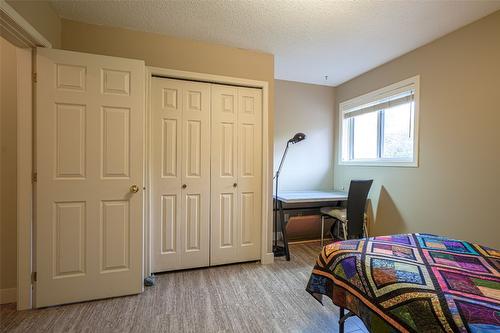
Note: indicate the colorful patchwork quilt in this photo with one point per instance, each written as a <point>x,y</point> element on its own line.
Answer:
<point>412,283</point>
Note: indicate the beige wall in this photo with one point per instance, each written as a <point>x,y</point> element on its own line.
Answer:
<point>168,52</point>
<point>174,53</point>
<point>456,189</point>
<point>306,108</point>
<point>8,165</point>
<point>42,17</point>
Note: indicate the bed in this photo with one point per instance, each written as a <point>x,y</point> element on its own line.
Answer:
<point>411,283</point>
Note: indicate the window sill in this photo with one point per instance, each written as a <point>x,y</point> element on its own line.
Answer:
<point>381,163</point>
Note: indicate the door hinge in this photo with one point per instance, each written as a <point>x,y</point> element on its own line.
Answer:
<point>33,277</point>
<point>34,78</point>
<point>35,177</point>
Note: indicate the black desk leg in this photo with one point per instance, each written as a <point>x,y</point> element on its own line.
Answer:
<point>283,230</point>
<point>341,320</point>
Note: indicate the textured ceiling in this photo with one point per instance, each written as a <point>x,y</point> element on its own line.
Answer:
<point>310,39</point>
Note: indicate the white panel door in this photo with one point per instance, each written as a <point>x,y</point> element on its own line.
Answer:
<point>89,156</point>
<point>180,178</point>
<point>166,179</point>
<point>236,174</point>
<point>224,169</point>
<point>249,172</point>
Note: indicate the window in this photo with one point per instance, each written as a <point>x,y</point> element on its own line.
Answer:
<point>381,127</point>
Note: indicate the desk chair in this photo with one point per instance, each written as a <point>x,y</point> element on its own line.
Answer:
<point>352,218</point>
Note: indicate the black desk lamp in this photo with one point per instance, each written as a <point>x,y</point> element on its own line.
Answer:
<point>280,250</point>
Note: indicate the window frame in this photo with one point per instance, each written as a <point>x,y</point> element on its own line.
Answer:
<point>390,90</point>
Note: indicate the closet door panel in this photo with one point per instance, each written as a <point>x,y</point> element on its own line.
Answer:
<point>166,134</point>
<point>224,226</point>
<point>195,166</point>
<point>236,174</point>
<point>249,192</point>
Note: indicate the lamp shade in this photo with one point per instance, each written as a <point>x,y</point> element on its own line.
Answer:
<point>297,138</point>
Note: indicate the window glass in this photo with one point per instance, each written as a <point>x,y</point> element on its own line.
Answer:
<point>365,136</point>
<point>398,132</point>
<point>345,140</point>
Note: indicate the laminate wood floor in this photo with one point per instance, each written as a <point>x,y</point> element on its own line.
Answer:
<point>247,297</point>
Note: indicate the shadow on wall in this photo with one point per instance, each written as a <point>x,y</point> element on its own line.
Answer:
<point>388,220</point>
<point>370,220</point>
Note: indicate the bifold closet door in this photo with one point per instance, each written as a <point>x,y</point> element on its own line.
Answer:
<point>236,169</point>
<point>180,174</point>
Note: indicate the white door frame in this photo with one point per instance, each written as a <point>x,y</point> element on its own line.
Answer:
<point>22,34</point>
<point>265,256</point>
<point>25,98</point>
<point>17,30</point>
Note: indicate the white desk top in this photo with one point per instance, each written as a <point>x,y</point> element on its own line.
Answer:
<point>311,196</point>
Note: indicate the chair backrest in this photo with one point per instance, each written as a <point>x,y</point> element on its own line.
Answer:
<point>356,205</point>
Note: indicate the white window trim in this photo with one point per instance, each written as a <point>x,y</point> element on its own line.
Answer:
<point>370,97</point>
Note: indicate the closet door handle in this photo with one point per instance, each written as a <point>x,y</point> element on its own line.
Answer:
<point>235,184</point>
<point>184,186</point>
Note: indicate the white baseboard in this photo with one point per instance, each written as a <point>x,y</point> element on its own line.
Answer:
<point>8,295</point>
<point>267,258</point>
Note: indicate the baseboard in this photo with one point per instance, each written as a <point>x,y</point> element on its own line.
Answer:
<point>8,295</point>
<point>305,241</point>
<point>267,258</point>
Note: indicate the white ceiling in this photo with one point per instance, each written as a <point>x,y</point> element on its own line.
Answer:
<point>310,39</point>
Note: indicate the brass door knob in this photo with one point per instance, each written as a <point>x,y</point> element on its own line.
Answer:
<point>235,184</point>
<point>184,186</point>
<point>134,188</point>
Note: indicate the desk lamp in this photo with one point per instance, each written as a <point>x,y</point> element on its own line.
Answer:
<point>280,250</point>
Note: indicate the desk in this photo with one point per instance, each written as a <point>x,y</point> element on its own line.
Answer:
<point>304,200</point>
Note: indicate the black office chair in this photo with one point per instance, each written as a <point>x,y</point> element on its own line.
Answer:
<point>353,218</point>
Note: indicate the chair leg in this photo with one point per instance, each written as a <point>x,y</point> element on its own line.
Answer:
<point>332,229</point>
<point>334,233</point>
<point>322,228</point>
<point>344,229</point>
<point>365,230</point>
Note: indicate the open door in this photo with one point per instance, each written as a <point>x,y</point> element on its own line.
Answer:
<point>89,188</point>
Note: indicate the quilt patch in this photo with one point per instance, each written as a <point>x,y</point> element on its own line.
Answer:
<point>412,283</point>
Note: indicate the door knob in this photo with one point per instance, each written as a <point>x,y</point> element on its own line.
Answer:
<point>134,188</point>
<point>235,184</point>
<point>184,186</point>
